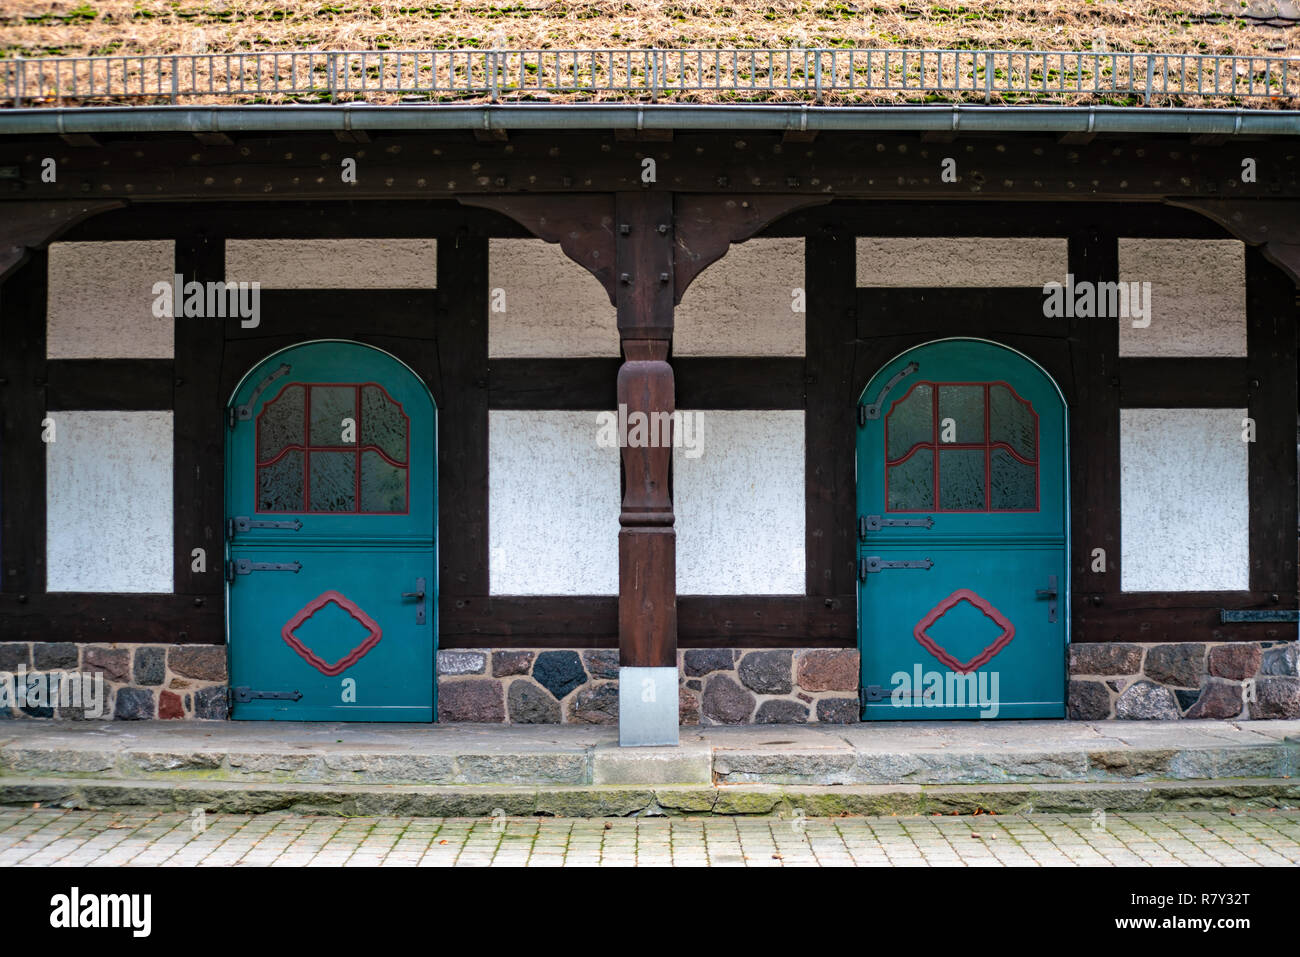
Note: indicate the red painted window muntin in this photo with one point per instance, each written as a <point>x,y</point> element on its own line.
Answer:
<point>987,446</point>
<point>306,446</point>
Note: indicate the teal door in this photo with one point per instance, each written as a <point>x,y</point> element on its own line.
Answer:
<point>962,536</point>
<point>331,551</point>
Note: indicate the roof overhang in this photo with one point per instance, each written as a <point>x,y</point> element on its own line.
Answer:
<point>543,117</point>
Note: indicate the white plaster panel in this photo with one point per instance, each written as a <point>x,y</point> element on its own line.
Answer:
<point>742,305</point>
<point>1184,500</point>
<point>99,303</point>
<point>333,263</point>
<point>553,505</point>
<point>740,505</point>
<point>544,305</point>
<point>108,522</point>
<point>1198,297</point>
<point>961,261</point>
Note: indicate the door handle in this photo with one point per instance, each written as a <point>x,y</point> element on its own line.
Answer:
<point>1050,594</point>
<point>418,595</point>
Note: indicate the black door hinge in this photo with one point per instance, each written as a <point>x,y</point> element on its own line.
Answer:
<point>243,695</point>
<point>872,564</point>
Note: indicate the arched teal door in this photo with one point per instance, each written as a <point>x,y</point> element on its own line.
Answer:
<point>331,547</point>
<point>962,536</point>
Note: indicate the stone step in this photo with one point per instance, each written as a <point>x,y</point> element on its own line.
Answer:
<point>245,753</point>
<point>690,764</point>
<point>360,800</point>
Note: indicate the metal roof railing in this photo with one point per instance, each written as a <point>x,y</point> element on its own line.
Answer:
<point>820,75</point>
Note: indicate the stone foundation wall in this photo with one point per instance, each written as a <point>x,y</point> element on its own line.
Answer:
<point>139,681</point>
<point>716,686</point>
<point>1243,679</point>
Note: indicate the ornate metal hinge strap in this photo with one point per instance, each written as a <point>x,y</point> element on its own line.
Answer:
<point>873,411</point>
<point>245,412</point>
<point>243,566</point>
<point>873,564</point>
<point>242,523</point>
<point>244,695</point>
<point>874,523</point>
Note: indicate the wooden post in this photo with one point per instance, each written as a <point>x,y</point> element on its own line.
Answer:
<point>645,248</point>
<point>647,541</point>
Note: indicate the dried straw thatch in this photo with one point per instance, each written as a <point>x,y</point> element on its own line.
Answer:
<point>31,28</point>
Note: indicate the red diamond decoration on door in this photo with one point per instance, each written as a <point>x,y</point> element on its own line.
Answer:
<point>945,606</point>
<point>353,656</point>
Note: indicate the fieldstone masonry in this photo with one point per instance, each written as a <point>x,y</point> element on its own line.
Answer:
<point>1244,679</point>
<point>140,681</point>
<point>717,686</point>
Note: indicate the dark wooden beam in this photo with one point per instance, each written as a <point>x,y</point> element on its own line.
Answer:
<point>702,382</point>
<point>22,409</point>
<point>553,383</point>
<point>963,218</point>
<point>199,429</point>
<point>111,618</point>
<point>442,219</point>
<point>81,141</point>
<point>1183,383</point>
<point>875,166</point>
<point>1173,617</point>
<point>704,621</point>
<point>759,621</point>
<point>1271,350</point>
<point>213,138</point>
<point>335,313</point>
<point>953,311</point>
<point>1094,421</point>
<point>109,384</point>
<point>830,437</point>
<point>706,382</point>
<point>460,387</point>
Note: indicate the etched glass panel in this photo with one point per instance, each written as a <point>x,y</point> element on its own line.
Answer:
<point>964,404</point>
<point>911,483</point>
<point>333,481</point>
<point>1012,421</point>
<point>279,425</point>
<point>910,420</point>
<point>383,424</point>
<point>961,480</point>
<point>279,484</point>
<point>1013,485</point>
<point>383,485</point>
<point>330,405</point>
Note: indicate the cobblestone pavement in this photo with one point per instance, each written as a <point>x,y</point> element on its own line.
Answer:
<point>47,836</point>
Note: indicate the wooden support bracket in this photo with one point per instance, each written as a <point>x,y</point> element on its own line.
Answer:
<point>33,225</point>
<point>1273,225</point>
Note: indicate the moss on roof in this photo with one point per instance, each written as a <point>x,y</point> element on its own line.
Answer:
<point>83,27</point>
<point>32,28</point>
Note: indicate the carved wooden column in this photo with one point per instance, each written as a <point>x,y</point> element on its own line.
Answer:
<point>645,248</point>
<point>647,541</point>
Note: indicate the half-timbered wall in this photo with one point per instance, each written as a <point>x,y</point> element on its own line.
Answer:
<point>765,514</point>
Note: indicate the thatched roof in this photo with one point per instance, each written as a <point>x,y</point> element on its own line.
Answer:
<point>117,28</point>
<point>35,28</point>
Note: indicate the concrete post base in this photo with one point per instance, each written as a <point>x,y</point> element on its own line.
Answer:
<point>647,707</point>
